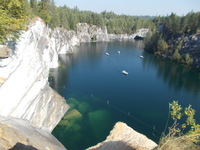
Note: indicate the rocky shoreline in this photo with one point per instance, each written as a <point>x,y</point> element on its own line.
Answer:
<point>190,45</point>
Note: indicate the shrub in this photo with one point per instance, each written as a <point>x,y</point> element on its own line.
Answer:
<point>184,135</point>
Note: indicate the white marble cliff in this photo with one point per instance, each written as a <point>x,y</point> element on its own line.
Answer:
<point>29,108</point>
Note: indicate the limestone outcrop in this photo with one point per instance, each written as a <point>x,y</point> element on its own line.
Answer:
<point>89,33</point>
<point>140,32</point>
<point>5,52</point>
<point>18,134</point>
<point>64,41</point>
<point>28,105</point>
<point>124,137</point>
<point>25,91</point>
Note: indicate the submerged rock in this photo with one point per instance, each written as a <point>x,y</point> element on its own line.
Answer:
<point>73,115</point>
<point>82,107</point>
<point>123,137</point>
<point>97,119</point>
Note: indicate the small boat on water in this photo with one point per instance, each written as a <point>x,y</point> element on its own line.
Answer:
<point>124,72</point>
<point>118,52</point>
<point>141,56</point>
<point>107,54</point>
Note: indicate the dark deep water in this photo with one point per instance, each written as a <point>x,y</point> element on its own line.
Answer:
<point>100,95</point>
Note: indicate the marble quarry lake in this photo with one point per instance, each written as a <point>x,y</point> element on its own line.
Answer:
<point>99,94</point>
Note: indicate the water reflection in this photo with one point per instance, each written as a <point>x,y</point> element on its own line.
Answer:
<point>58,77</point>
<point>177,76</point>
<point>89,73</point>
<point>93,50</point>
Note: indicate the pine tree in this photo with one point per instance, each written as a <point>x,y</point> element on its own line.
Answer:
<point>13,15</point>
<point>33,4</point>
<point>188,59</point>
<point>44,10</point>
<point>55,20</point>
<point>176,56</point>
<point>162,46</point>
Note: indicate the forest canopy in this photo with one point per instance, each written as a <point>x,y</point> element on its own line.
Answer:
<point>171,34</point>
<point>68,18</point>
<point>15,13</point>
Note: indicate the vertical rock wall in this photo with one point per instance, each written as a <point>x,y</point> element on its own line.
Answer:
<point>25,92</point>
<point>24,87</point>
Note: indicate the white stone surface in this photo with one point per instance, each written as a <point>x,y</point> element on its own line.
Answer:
<point>140,32</point>
<point>25,92</point>
<point>122,137</point>
<point>19,134</point>
<point>24,89</point>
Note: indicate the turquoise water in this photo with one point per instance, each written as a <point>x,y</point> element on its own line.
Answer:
<point>100,95</point>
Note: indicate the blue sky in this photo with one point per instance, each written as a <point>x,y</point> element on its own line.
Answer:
<point>135,7</point>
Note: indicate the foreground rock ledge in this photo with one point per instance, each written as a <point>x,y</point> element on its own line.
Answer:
<point>19,134</point>
<point>122,137</point>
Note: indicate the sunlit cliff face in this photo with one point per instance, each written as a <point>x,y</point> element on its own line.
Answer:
<point>25,92</point>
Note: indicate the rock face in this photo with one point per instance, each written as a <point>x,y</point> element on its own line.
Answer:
<point>140,32</point>
<point>24,88</point>
<point>87,33</point>
<point>63,41</point>
<point>18,134</point>
<point>25,91</point>
<point>4,51</point>
<point>124,137</point>
<point>191,45</point>
<point>29,108</point>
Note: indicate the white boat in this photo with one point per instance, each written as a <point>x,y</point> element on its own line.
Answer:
<point>118,52</point>
<point>124,72</point>
<point>141,56</point>
<point>107,54</point>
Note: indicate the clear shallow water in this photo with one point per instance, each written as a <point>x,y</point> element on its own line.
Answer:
<point>100,95</point>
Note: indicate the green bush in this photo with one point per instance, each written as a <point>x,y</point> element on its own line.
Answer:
<point>13,16</point>
<point>183,135</point>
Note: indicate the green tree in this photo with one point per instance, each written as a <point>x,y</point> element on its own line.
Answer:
<point>185,134</point>
<point>34,8</point>
<point>33,4</point>
<point>180,45</point>
<point>54,13</point>
<point>44,10</point>
<point>162,46</point>
<point>176,56</point>
<point>13,15</point>
<point>73,20</point>
<point>188,59</point>
<point>151,42</point>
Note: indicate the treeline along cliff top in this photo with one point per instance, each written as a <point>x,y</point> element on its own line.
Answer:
<point>174,37</point>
